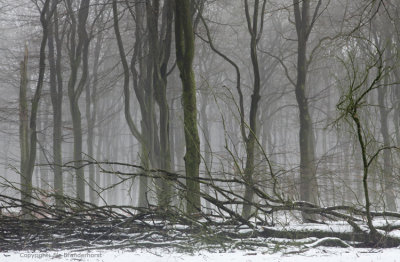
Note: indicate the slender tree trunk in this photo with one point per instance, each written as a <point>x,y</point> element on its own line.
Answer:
<point>143,189</point>
<point>56,85</point>
<point>99,156</point>
<point>206,144</point>
<point>57,116</point>
<point>79,55</point>
<point>255,29</point>
<point>179,145</point>
<point>77,134</point>
<point>390,198</point>
<point>90,139</point>
<point>91,106</point>
<point>24,130</point>
<point>26,187</point>
<point>172,138</point>
<point>43,170</point>
<point>325,144</point>
<point>365,171</point>
<point>144,97</point>
<point>396,113</point>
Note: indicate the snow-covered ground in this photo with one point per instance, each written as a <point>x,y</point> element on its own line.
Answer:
<point>231,244</point>
<point>320,254</point>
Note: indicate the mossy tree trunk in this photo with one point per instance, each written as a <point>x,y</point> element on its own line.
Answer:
<point>184,40</point>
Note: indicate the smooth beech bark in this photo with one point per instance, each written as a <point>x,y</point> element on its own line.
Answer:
<point>308,181</point>
<point>79,52</point>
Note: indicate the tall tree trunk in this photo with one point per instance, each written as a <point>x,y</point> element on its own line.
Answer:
<point>390,198</point>
<point>57,132</point>
<point>77,134</point>
<point>184,40</point>
<point>172,137</point>
<point>206,144</point>
<point>160,46</point>
<point>308,181</point>
<point>91,106</point>
<point>99,150</point>
<point>396,114</point>
<point>79,54</point>
<point>255,29</point>
<point>56,94</point>
<point>26,187</point>
<point>388,178</point>
<point>144,97</point>
<point>24,130</point>
<point>161,89</point>
<point>89,142</point>
<point>43,160</point>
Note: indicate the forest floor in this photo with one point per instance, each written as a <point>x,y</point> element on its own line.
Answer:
<point>153,240</point>
<point>327,254</point>
<point>110,235</point>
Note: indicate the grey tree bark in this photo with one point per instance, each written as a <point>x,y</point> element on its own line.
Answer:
<point>29,145</point>
<point>78,55</point>
<point>207,141</point>
<point>308,182</point>
<point>255,24</point>
<point>160,40</point>
<point>381,33</point>
<point>91,107</point>
<point>390,198</point>
<point>56,94</point>
<point>143,87</point>
<point>25,180</point>
<point>43,123</point>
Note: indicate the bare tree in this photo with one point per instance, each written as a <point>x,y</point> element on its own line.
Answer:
<point>29,145</point>
<point>184,40</point>
<point>255,24</point>
<point>79,52</point>
<point>304,24</point>
<point>56,93</point>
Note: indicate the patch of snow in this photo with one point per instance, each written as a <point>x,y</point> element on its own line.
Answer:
<point>340,227</point>
<point>177,227</point>
<point>298,241</point>
<point>385,222</point>
<point>395,233</point>
<point>246,230</point>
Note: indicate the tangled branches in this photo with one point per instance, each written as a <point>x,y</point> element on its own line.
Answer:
<point>82,225</point>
